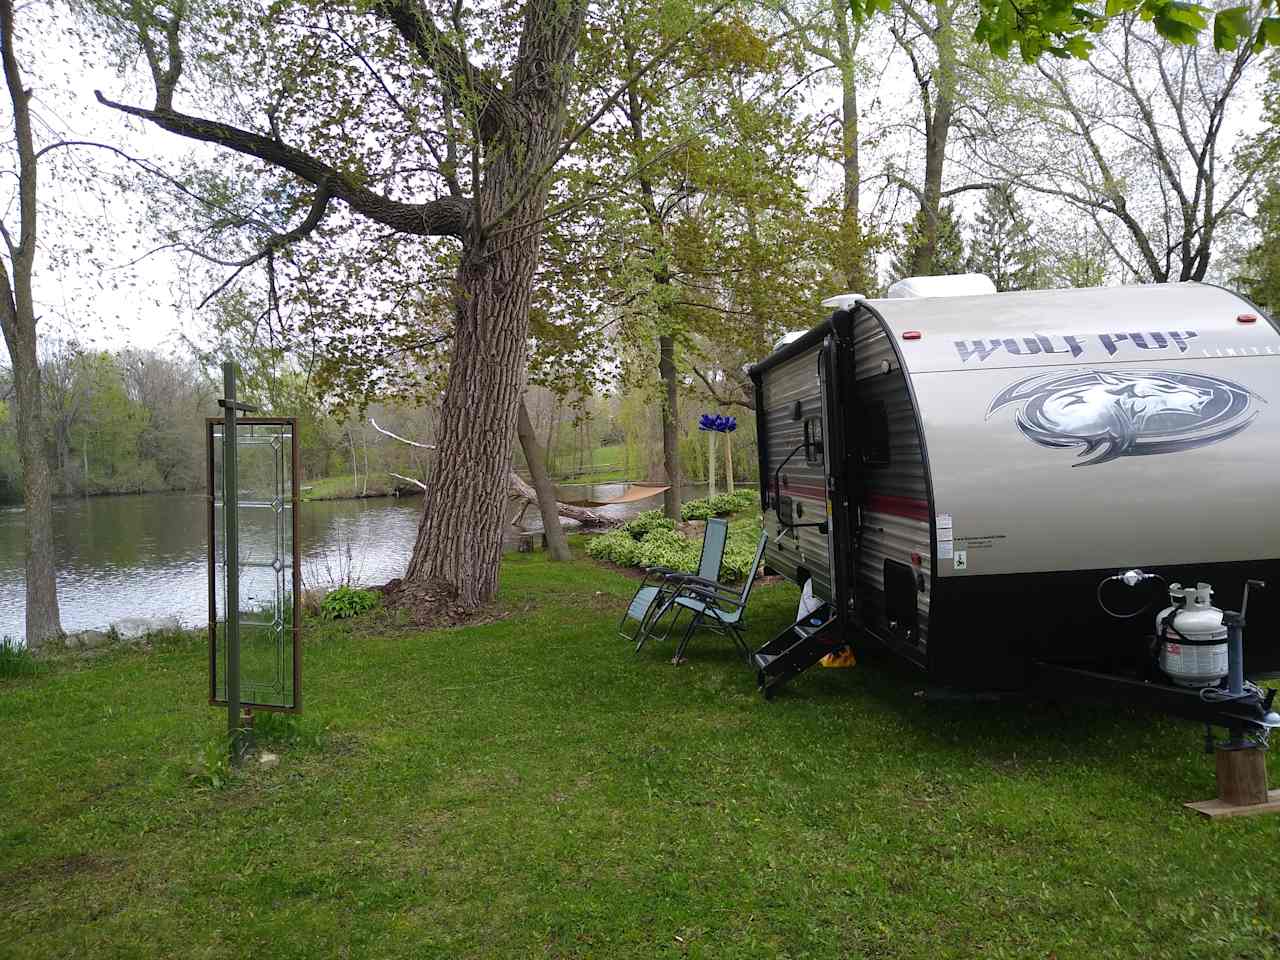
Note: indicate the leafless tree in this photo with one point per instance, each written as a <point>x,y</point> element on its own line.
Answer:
<point>1133,140</point>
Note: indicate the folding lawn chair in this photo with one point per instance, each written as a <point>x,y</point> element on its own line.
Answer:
<point>653,596</point>
<point>716,606</point>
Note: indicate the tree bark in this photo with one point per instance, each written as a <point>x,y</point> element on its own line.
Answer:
<point>670,438</point>
<point>18,322</point>
<point>459,539</point>
<point>938,94</point>
<point>852,256</point>
<point>557,545</point>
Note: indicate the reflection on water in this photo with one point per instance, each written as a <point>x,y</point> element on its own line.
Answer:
<point>147,556</point>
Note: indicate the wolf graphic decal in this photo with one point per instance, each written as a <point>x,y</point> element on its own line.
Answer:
<point>1127,413</point>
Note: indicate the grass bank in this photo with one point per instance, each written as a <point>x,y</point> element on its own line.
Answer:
<point>344,488</point>
<point>529,788</point>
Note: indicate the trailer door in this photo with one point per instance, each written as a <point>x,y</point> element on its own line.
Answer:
<point>842,464</point>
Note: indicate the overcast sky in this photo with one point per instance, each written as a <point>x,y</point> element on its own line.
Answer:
<point>138,305</point>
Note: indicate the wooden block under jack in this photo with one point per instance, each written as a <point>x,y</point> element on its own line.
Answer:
<point>1216,808</point>
<point>1241,773</point>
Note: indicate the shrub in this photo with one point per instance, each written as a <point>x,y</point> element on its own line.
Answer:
<point>740,550</point>
<point>617,547</point>
<point>718,506</point>
<point>666,548</point>
<point>642,524</point>
<point>735,502</point>
<point>663,547</point>
<point>347,602</point>
<point>697,510</point>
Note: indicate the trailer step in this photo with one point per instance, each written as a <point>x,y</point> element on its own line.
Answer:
<point>796,649</point>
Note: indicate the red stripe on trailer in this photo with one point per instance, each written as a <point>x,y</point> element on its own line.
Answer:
<point>907,507</point>
<point>811,491</point>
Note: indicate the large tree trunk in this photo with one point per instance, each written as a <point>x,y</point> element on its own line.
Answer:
<point>459,539</point>
<point>557,545</point>
<point>937,130</point>
<point>43,620</point>
<point>851,258</point>
<point>670,437</point>
<point>18,322</point>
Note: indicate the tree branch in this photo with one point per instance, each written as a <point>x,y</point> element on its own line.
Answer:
<point>445,217</point>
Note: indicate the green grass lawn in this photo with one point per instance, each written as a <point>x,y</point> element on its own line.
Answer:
<point>529,788</point>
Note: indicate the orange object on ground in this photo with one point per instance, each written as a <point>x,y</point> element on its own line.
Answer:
<point>841,658</point>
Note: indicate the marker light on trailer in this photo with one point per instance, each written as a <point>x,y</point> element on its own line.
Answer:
<point>1247,318</point>
<point>911,335</point>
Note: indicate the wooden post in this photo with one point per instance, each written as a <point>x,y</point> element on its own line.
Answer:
<point>1242,784</point>
<point>1242,775</point>
<point>711,463</point>
<point>728,463</point>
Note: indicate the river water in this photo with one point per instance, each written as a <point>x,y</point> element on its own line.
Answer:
<point>147,556</point>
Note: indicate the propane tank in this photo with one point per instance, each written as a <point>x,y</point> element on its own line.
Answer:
<point>1192,637</point>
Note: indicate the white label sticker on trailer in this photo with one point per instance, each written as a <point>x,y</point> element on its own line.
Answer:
<point>944,521</point>
<point>944,549</point>
<point>945,535</point>
<point>962,560</point>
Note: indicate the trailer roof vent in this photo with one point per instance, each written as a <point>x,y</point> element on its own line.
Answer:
<point>789,337</point>
<point>842,301</point>
<point>954,285</point>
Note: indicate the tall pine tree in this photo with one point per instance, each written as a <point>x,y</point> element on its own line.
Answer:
<point>948,258</point>
<point>1003,245</point>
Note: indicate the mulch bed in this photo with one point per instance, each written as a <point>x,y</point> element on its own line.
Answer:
<point>433,605</point>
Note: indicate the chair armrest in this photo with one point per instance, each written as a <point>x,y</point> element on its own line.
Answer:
<point>712,585</point>
<point>662,572</point>
<point>710,596</point>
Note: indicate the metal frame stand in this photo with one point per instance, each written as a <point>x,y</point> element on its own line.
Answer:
<point>239,728</point>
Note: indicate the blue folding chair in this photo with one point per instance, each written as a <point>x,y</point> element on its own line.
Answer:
<point>651,600</point>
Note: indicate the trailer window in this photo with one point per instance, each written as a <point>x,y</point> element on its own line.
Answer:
<point>875,434</point>
<point>813,440</point>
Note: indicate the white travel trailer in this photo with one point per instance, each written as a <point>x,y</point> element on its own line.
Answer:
<point>965,479</point>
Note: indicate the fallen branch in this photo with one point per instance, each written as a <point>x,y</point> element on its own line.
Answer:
<point>412,443</point>
<point>519,493</point>
<point>417,483</point>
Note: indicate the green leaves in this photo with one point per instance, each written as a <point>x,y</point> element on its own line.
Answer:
<point>1229,27</point>
<point>1061,29</point>
<point>346,602</point>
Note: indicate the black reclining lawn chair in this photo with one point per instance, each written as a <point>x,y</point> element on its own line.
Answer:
<point>716,606</point>
<point>652,598</point>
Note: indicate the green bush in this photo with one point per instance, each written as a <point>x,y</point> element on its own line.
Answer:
<point>697,510</point>
<point>735,502</point>
<point>347,602</point>
<point>720,505</point>
<point>617,547</point>
<point>666,548</point>
<point>663,547</point>
<point>643,524</point>
<point>740,549</point>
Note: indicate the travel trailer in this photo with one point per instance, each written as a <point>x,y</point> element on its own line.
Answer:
<point>1032,490</point>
